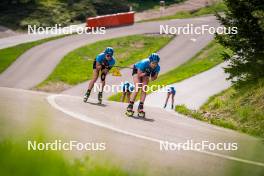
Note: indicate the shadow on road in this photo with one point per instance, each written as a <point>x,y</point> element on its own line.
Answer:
<point>144,119</point>
<point>102,105</point>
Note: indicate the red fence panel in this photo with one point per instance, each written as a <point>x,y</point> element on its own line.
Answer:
<point>113,20</point>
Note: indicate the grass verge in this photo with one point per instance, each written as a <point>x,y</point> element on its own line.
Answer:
<point>16,159</point>
<point>207,58</point>
<point>217,7</point>
<point>9,55</point>
<point>239,107</point>
<point>76,67</point>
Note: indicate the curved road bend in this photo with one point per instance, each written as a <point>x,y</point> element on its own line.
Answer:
<point>35,65</point>
<point>89,122</point>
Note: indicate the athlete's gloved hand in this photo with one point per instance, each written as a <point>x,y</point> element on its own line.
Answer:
<point>106,64</point>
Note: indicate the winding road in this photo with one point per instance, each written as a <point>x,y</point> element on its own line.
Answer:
<point>35,65</point>
<point>132,140</point>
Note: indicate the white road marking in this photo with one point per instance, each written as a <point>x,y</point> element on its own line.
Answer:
<point>87,119</point>
<point>193,39</point>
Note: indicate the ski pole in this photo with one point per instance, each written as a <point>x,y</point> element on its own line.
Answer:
<point>121,67</point>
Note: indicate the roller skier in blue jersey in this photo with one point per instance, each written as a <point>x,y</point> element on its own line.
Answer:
<point>143,71</point>
<point>171,92</point>
<point>101,66</point>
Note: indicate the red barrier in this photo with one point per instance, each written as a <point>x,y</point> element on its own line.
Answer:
<point>119,19</point>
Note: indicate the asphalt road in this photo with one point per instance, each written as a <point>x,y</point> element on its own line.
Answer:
<point>19,38</point>
<point>35,65</point>
<point>195,91</point>
<point>131,141</point>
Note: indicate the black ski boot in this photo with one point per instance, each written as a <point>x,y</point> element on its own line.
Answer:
<point>86,96</point>
<point>100,97</point>
<point>129,111</point>
<point>141,113</point>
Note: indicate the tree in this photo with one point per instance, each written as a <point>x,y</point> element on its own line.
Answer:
<point>108,7</point>
<point>248,43</point>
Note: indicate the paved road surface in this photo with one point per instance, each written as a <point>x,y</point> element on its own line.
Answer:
<point>25,37</point>
<point>189,5</point>
<point>134,142</point>
<point>195,91</point>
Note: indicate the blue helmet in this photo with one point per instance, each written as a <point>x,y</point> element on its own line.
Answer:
<point>154,57</point>
<point>109,50</point>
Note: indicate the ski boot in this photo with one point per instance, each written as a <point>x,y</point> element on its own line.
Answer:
<point>86,96</point>
<point>100,97</point>
<point>129,111</point>
<point>141,113</point>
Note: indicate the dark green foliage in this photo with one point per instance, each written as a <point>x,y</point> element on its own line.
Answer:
<point>18,14</point>
<point>44,13</point>
<point>248,43</point>
<point>109,7</point>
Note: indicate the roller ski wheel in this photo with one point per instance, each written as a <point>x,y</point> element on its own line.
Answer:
<point>129,113</point>
<point>100,97</point>
<point>141,114</point>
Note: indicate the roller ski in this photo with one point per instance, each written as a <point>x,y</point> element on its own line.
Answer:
<point>141,113</point>
<point>129,111</point>
<point>100,97</point>
<point>86,96</point>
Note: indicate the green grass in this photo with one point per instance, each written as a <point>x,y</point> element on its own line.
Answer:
<point>76,67</point>
<point>207,58</point>
<point>217,7</point>
<point>9,55</point>
<point>16,159</point>
<point>239,107</point>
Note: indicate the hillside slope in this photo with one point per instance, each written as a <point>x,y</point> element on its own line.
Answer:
<point>240,108</point>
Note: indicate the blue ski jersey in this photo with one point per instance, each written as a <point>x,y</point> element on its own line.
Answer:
<point>101,58</point>
<point>143,66</point>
